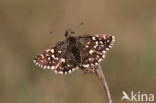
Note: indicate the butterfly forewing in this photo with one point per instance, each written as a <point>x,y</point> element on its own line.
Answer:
<point>50,58</point>
<point>56,58</point>
<point>94,48</point>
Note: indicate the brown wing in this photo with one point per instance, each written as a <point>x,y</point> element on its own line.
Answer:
<point>94,48</point>
<point>56,58</point>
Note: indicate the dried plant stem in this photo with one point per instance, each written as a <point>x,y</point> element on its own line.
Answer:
<point>101,76</point>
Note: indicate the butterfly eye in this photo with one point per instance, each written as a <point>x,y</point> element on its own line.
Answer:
<point>66,33</point>
<point>72,32</point>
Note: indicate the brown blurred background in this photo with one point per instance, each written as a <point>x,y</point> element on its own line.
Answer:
<point>24,32</point>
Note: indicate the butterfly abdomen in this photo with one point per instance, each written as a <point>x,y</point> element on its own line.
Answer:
<point>76,54</point>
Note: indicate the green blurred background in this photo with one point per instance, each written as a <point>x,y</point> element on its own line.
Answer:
<point>24,32</point>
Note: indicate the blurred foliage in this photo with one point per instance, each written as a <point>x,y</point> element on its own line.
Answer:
<point>24,32</point>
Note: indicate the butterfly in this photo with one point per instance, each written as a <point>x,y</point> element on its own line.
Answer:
<point>75,52</point>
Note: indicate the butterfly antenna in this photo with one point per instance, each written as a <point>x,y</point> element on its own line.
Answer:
<point>78,26</point>
<point>66,33</point>
<point>51,32</point>
<point>70,32</point>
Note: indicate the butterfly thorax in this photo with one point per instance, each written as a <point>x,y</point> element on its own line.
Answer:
<point>71,40</point>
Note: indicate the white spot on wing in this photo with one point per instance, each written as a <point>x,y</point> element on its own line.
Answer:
<point>41,61</point>
<point>103,56</point>
<point>48,50</point>
<point>113,37</point>
<point>86,65</point>
<point>91,51</point>
<point>52,50</point>
<point>93,38</point>
<point>88,42</point>
<point>41,66</point>
<point>101,42</point>
<point>99,60</point>
<point>65,72</point>
<point>48,67</point>
<point>95,46</point>
<point>69,71</point>
<point>103,51</point>
<point>56,58</point>
<point>44,67</point>
<point>87,46</point>
<point>92,64</point>
<point>36,63</point>
<point>60,72</point>
<point>53,56</point>
<point>63,60</point>
<point>104,37</point>
<point>107,49</point>
<point>42,56</point>
<point>55,71</point>
<point>96,63</point>
<point>110,46</point>
<point>97,56</point>
<point>96,43</point>
<point>90,59</point>
<point>48,58</point>
<point>73,69</point>
<point>52,67</point>
<point>59,51</point>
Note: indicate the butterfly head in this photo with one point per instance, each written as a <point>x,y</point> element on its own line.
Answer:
<point>69,32</point>
<point>69,35</point>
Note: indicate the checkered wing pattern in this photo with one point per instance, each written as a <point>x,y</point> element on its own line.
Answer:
<point>84,52</point>
<point>54,58</point>
<point>94,48</point>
